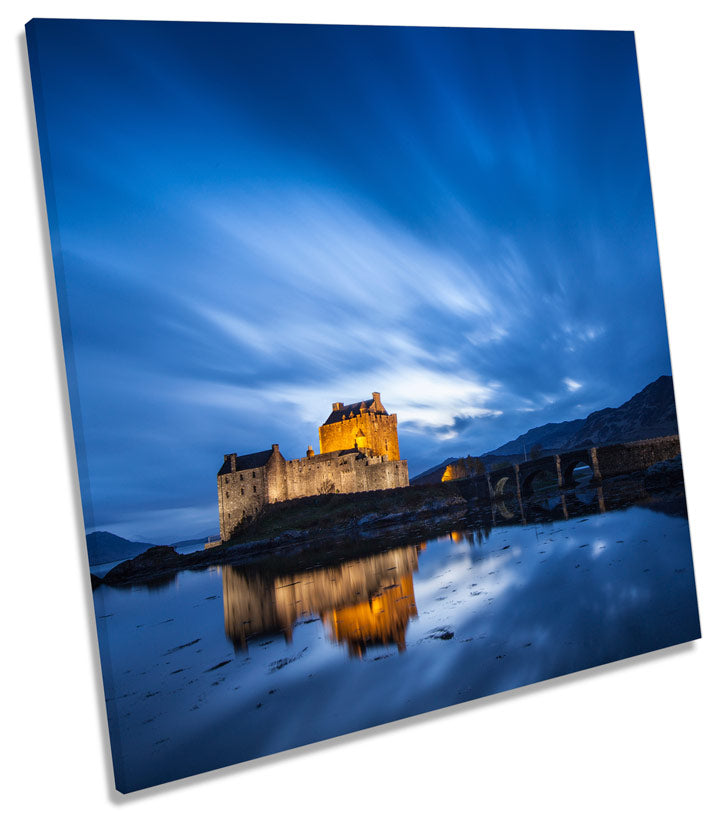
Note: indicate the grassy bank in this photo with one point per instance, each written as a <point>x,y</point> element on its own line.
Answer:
<point>321,512</point>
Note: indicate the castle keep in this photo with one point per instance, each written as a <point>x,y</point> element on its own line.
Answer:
<point>365,425</point>
<point>358,453</point>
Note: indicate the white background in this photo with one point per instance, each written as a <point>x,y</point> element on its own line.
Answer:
<point>635,738</point>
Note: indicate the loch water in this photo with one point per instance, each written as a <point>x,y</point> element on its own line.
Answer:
<point>230,663</point>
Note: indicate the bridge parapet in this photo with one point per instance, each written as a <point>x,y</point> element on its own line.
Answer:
<point>619,459</point>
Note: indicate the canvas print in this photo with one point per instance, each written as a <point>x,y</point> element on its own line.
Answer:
<point>368,370</point>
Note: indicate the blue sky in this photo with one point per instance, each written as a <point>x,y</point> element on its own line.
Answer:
<point>255,221</point>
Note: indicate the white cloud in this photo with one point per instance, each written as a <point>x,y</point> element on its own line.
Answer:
<point>572,385</point>
<point>419,395</point>
<point>316,244</point>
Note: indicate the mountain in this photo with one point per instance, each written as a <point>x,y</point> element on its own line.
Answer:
<point>548,436</point>
<point>105,547</point>
<point>648,414</point>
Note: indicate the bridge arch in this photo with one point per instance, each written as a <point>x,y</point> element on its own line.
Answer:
<point>500,486</point>
<point>569,468</point>
<point>527,488</point>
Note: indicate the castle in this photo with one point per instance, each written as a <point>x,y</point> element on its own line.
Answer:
<point>358,453</point>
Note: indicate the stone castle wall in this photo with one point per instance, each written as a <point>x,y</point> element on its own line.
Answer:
<point>365,430</point>
<point>335,472</point>
<point>242,494</point>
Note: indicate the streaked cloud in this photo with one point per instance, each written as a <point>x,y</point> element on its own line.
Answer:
<point>460,219</point>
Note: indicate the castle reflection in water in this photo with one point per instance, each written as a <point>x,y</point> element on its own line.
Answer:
<point>363,602</point>
<point>367,601</point>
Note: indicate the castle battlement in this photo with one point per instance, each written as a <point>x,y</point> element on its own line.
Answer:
<point>359,452</point>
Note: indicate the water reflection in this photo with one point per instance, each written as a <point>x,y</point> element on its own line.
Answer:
<point>566,505</point>
<point>489,605</point>
<point>369,601</point>
<point>363,602</point>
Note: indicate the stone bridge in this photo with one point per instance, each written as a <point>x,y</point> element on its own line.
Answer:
<point>604,461</point>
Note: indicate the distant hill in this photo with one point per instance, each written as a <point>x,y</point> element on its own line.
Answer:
<point>549,437</point>
<point>648,414</point>
<point>105,547</point>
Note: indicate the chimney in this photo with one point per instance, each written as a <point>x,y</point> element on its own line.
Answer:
<point>310,451</point>
<point>276,447</point>
<point>231,458</point>
<point>338,405</point>
<point>376,399</point>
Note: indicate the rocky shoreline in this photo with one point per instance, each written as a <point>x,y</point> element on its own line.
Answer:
<point>370,529</point>
<point>367,532</point>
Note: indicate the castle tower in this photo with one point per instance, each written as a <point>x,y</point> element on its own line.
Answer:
<point>275,482</point>
<point>364,425</point>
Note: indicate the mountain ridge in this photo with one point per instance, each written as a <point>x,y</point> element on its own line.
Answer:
<point>649,413</point>
<point>106,547</point>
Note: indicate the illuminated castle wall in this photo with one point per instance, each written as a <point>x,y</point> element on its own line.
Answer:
<point>365,425</point>
<point>359,452</point>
